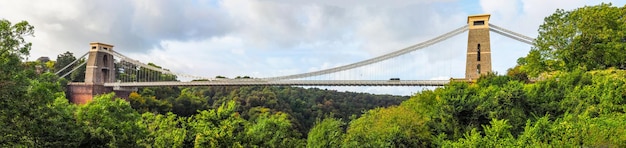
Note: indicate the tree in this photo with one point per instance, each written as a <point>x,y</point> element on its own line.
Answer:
<point>450,110</point>
<point>221,127</point>
<point>503,98</point>
<point>273,130</point>
<point>79,74</point>
<point>388,127</point>
<point>517,74</point>
<point>58,127</point>
<point>327,133</point>
<point>34,111</point>
<point>164,130</point>
<point>109,121</point>
<point>188,103</point>
<point>46,119</point>
<point>49,65</point>
<point>303,106</point>
<point>14,83</point>
<point>148,104</point>
<point>587,38</point>
<point>64,60</point>
<point>49,120</point>
<point>496,135</point>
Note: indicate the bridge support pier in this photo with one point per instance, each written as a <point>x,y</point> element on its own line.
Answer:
<point>81,93</point>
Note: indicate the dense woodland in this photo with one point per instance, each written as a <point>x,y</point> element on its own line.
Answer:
<point>303,106</point>
<point>570,91</point>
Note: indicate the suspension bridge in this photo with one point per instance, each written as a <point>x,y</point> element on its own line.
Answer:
<point>109,70</point>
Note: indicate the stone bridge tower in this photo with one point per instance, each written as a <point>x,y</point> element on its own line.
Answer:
<point>100,70</point>
<point>100,65</point>
<point>478,47</point>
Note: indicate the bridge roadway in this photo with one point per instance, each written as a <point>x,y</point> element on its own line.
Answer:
<point>254,82</point>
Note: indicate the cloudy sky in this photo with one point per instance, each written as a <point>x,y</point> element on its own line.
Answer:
<point>264,38</point>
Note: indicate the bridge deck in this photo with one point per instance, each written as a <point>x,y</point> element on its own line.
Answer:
<point>252,82</point>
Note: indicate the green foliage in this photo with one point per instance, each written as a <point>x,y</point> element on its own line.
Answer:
<point>12,41</point>
<point>496,135</point>
<point>327,133</point>
<point>516,73</point>
<point>188,103</point>
<point>33,111</point>
<point>273,130</point>
<point>451,110</point>
<point>390,127</point>
<point>110,122</point>
<point>302,105</point>
<point>221,127</point>
<point>165,131</point>
<point>50,121</point>
<point>161,93</point>
<point>79,74</point>
<point>603,131</point>
<point>587,38</point>
<point>251,116</point>
<point>149,104</point>
<point>44,117</point>
<point>64,60</point>
<point>506,101</point>
<point>579,107</point>
<point>570,131</point>
<point>17,107</point>
<point>59,128</point>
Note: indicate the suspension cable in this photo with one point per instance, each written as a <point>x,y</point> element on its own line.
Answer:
<point>138,63</point>
<point>376,59</point>
<point>68,65</point>
<point>530,42</point>
<point>502,31</point>
<point>74,69</point>
<point>394,54</point>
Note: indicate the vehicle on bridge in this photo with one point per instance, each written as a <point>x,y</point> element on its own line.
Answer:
<point>394,79</point>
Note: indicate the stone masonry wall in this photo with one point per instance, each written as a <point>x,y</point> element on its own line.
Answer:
<point>475,37</point>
